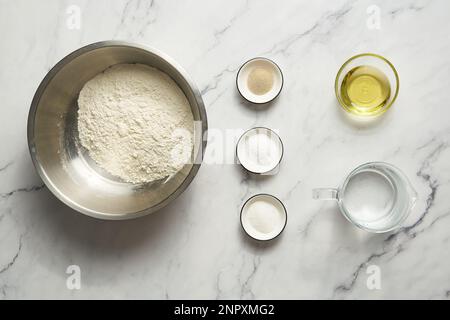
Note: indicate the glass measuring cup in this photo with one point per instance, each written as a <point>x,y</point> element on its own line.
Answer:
<point>376,197</point>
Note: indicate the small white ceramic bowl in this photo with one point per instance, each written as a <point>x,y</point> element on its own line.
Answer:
<point>242,77</point>
<point>248,161</point>
<point>251,227</point>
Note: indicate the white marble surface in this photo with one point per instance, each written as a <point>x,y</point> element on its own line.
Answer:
<point>195,248</point>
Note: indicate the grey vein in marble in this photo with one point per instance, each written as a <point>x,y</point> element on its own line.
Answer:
<point>333,17</point>
<point>20,190</point>
<point>14,258</point>
<point>6,166</point>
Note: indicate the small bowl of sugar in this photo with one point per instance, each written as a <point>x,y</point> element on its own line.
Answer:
<point>263,217</point>
<point>259,80</point>
<point>259,151</point>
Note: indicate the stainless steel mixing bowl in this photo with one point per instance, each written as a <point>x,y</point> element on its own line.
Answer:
<point>67,170</point>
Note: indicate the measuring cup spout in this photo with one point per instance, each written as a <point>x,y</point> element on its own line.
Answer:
<point>325,194</point>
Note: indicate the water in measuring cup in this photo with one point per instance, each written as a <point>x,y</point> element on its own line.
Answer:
<point>369,199</point>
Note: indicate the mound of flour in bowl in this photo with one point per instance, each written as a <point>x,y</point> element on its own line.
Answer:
<point>136,123</point>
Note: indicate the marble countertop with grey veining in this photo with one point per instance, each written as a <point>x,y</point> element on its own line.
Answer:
<point>194,248</point>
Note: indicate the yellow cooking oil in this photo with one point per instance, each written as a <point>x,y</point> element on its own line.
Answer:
<point>365,90</point>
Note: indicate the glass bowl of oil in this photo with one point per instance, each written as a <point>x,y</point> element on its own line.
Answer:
<point>366,85</point>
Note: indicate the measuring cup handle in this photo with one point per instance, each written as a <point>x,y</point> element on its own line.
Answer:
<point>325,194</point>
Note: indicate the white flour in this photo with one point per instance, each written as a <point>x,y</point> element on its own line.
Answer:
<point>136,123</point>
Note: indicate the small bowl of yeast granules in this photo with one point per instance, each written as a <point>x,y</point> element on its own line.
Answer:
<point>259,80</point>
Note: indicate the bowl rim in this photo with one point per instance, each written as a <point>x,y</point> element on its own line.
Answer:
<point>377,56</point>
<point>31,128</point>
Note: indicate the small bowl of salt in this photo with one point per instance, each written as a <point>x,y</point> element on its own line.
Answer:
<point>263,217</point>
<point>259,151</point>
<point>259,80</point>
